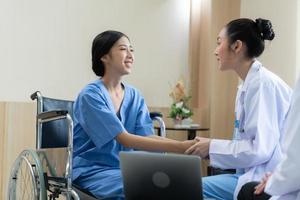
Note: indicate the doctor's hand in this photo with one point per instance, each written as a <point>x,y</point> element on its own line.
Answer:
<point>201,148</point>
<point>261,186</point>
<point>187,144</point>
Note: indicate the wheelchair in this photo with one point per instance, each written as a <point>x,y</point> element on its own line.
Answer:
<point>46,172</point>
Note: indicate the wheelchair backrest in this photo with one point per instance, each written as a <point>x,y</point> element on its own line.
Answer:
<point>54,134</point>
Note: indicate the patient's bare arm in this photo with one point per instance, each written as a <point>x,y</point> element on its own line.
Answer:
<point>153,143</point>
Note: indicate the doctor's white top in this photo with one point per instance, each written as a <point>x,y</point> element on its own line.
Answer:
<point>261,107</point>
<point>285,180</point>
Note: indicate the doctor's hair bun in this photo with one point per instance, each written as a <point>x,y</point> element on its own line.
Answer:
<point>252,33</point>
<point>265,29</point>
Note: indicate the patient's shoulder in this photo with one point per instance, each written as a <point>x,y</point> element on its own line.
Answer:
<point>133,91</point>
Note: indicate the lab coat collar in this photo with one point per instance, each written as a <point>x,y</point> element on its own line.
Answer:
<point>256,65</point>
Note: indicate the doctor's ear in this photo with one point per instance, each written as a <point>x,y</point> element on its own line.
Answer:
<point>236,46</point>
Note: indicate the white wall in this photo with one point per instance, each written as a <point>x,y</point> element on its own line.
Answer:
<point>281,54</point>
<point>45,45</point>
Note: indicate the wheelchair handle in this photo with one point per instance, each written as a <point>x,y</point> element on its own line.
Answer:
<point>35,95</point>
<point>155,114</point>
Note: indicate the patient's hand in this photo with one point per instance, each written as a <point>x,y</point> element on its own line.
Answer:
<point>188,143</point>
<point>201,148</point>
<point>261,186</point>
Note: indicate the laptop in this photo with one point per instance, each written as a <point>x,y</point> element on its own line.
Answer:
<point>161,176</point>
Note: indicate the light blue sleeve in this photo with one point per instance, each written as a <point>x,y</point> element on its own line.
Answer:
<point>261,132</point>
<point>143,125</point>
<point>98,121</point>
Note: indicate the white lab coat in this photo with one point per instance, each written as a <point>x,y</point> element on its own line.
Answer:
<point>262,103</point>
<point>285,180</point>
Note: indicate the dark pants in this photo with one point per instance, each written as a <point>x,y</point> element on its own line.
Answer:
<point>247,193</point>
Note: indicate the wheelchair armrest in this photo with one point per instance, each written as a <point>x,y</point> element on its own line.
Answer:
<point>155,114</point>
<point>52,115</point>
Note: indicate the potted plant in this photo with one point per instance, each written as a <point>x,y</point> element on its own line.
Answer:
<point>179,110</point>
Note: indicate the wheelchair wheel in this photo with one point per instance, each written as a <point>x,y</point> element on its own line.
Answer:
<point>26,179</point>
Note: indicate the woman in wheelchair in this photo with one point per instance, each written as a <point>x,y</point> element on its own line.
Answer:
<point>111,116</point>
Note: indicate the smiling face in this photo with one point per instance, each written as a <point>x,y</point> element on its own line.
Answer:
<point>120,58</point>
<point>224,52</point>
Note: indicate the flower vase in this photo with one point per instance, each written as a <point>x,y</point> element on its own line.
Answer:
<point>187,121</point>
<point>182,123</point>
<point>177,122</point>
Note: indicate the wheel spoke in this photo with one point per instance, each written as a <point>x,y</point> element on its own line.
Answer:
<point>27,178</point>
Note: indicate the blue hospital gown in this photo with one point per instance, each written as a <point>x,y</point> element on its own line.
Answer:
<point>96,164</point>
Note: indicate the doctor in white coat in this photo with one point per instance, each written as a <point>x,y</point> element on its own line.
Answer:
<point>284,182</point>
<point>262,103</point>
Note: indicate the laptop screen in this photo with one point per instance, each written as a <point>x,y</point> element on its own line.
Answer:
<point>158,176</point>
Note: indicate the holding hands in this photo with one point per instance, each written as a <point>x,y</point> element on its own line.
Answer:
<point>187,144</point>
<point>200,148</point>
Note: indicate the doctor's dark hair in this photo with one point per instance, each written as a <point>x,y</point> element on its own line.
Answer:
<point>101,46</point>
<point>252,33</point>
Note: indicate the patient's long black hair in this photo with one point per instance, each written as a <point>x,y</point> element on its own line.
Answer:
<point>101,46</point>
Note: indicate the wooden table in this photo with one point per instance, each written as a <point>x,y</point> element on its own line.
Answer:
<point>191,131</point>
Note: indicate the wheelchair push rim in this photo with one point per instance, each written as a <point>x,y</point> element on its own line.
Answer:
<point>27,179</point>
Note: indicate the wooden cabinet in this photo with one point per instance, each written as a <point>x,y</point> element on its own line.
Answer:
<point>17,132</point>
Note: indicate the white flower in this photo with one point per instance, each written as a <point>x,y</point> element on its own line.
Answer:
<point>186,111</point>
<point>179,104</point>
